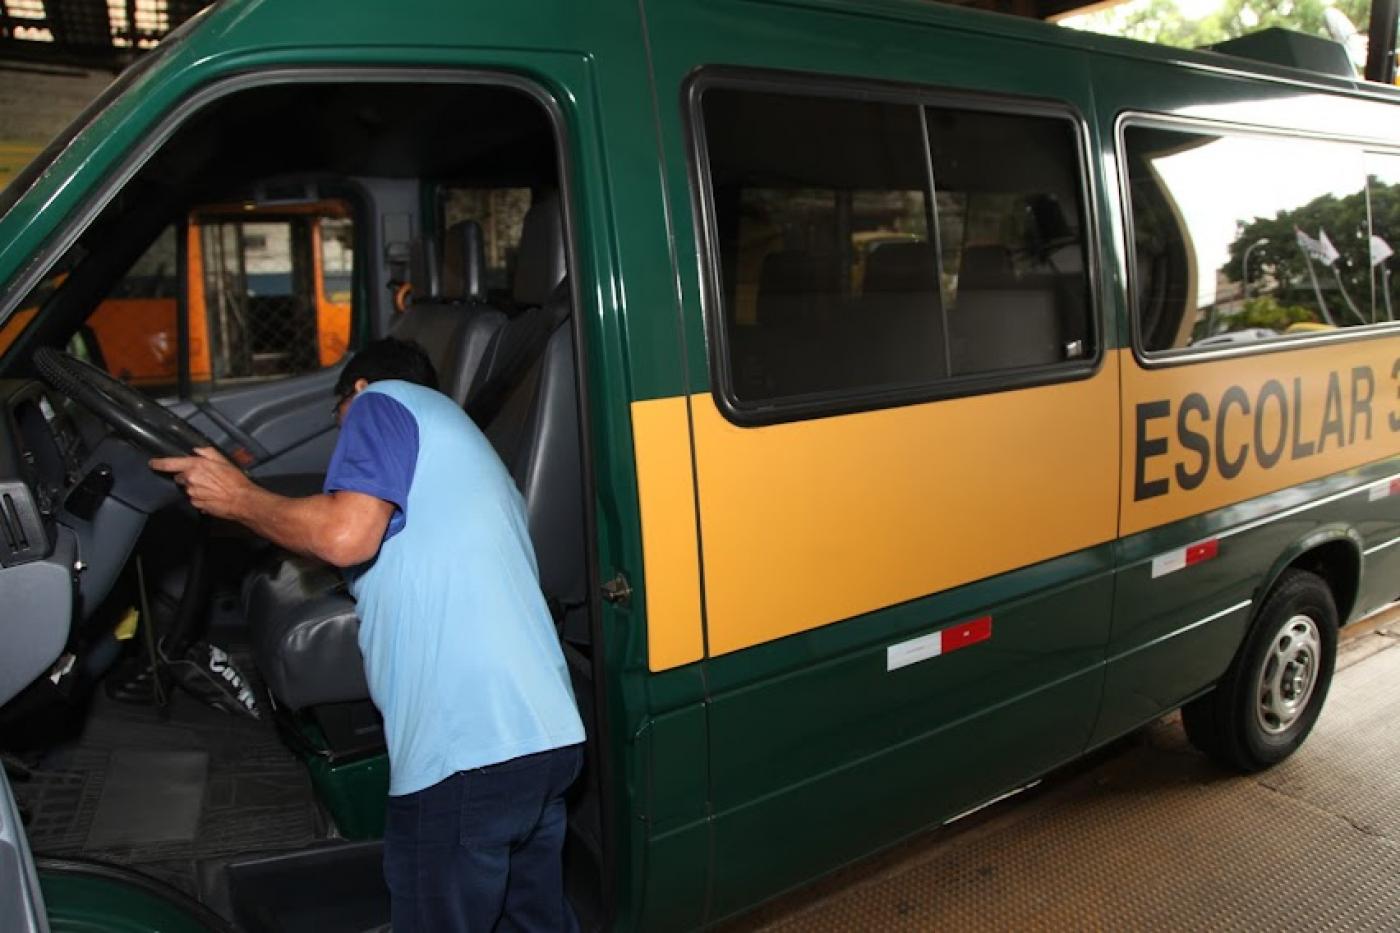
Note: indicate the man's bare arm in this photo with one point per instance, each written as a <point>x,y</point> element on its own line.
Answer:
<point>341,528</point>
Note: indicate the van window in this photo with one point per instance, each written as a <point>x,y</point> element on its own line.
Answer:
<point>1383,197</point>
<point>276,292</point>
<point>134,332</point>
<point>38,296</point>
<point>830,278</point>
<point>263,292</point>
<point>1240,238</point>
<point>1012,239</point>
<point>866,246</point>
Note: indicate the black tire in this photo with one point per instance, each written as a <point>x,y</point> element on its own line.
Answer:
<point>1270,698</point>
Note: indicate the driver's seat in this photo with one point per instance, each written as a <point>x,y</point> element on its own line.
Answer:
<point>305,634</point>
<point>303,621</point>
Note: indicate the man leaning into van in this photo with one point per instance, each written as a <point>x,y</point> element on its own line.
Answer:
<point>460,651</point>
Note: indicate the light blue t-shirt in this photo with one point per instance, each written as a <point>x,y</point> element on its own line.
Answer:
<point>460,650</point>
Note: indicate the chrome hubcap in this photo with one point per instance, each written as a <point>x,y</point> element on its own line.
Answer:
<point>1289,675</point>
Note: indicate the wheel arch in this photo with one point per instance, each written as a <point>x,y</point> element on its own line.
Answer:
<point>1333,552</point>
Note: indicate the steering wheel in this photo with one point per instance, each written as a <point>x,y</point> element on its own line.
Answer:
<point>146,423</point>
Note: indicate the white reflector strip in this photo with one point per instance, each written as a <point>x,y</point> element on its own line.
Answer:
<point>1170,562</point>
<point>913,651</point>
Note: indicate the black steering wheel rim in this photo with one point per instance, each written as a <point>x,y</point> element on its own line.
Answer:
<point>143,421</point>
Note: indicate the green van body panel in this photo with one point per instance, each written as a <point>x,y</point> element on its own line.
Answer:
<point>353,792</point>
<point>102,902</point>
<point>738,776</point>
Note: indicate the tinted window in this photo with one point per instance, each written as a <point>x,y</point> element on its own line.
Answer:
<point>1383,192</point>
<point>1240,238</point>
<point>830,277</point>
<point>867,246</point>
<point>1012,239</point>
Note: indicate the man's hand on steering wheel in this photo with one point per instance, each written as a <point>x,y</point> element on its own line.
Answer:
<point>215,486</point>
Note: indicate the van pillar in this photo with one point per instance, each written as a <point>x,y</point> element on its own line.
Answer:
<point>1380,57</point>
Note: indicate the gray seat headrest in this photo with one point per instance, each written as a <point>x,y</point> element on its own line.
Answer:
<point>463,262</point>
<point>423,268</point>
<point>540,265</point>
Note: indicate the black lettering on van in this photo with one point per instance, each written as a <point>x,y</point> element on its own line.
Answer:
<point>1332,414</point>
<point>1149,447</point>
<point>1394,416</point>
<point>1193,440</point>
<point>1361,404</point>
<point>1301,449</point>
<point>1268,456</point>
<point>1230,468</point>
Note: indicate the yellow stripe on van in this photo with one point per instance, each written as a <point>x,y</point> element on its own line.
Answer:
<point>1203,435</point>
<point>811,522</point>
<point>666,489</point>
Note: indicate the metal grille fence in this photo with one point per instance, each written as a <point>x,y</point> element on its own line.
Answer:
<point>260,301</point>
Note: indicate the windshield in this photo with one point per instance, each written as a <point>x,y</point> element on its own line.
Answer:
<point>26,177</point>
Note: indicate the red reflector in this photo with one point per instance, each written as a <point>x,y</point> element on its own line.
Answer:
<point>1395,487</point>
<point>969,633</point>
<point>1206,550</point>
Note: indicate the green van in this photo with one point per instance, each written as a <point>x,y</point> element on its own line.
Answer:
<point>907,400</point>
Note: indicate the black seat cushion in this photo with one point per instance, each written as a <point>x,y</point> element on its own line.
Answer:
<point>306,637</point>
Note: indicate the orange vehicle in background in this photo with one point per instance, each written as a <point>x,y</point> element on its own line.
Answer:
<point>260,280</point>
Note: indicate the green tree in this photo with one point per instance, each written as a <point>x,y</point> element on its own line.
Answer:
<point>1281,266</point>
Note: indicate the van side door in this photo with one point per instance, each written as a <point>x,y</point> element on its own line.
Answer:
<point>903,414</point>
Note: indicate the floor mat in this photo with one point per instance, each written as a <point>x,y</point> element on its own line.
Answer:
<point>149,797</point>
<point>254,796</point>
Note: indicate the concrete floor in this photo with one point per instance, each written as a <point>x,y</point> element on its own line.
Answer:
<point>1150,836</point>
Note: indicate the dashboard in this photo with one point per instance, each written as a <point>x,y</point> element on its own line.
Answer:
<point>41,460</point>
<point>73,503</point>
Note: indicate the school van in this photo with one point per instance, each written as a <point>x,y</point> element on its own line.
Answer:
<point>906,401</point>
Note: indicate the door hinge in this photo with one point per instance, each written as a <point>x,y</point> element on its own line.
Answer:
<point>618,591</point>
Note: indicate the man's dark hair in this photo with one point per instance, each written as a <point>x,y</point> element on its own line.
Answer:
<point>388,358</point>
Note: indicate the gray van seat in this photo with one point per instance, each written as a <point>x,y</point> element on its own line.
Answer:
<point>897,336</point>
<point>996,329</point>
<point>454,327</point>
<point>1002,321</point>
<point>305,634</point>
<point>790,350</point>
<point>305,631</point>
<point>536,432</point>
<point>540,263</point>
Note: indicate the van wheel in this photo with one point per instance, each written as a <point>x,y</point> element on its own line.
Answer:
<point>1269,699</point>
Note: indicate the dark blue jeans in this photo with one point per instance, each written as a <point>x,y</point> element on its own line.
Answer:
<point>482,849</point>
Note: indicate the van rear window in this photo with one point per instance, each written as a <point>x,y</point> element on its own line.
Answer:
<point>869,247</point>
<point>1239,238</point>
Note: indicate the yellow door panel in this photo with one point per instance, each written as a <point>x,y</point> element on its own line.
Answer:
<point>812,522</point>
<point>666,489</point>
